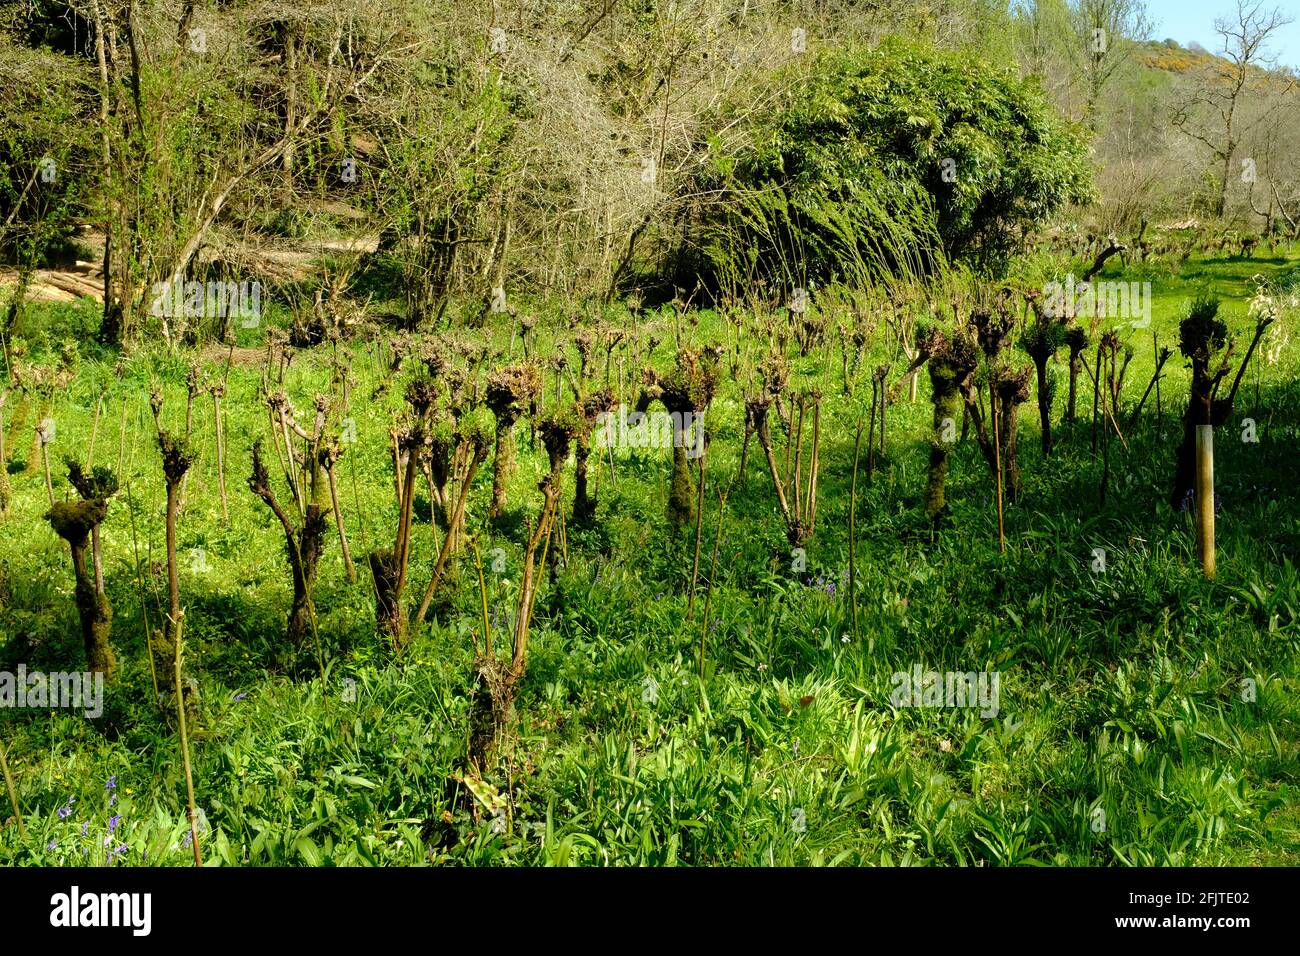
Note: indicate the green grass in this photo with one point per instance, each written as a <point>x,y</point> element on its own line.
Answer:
<point>1121,693</point>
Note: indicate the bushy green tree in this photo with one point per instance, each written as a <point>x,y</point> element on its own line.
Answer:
<point>893,158</point>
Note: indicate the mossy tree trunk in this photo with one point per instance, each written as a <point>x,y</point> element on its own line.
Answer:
<point>73,521</point>
<point>944,379</point>
<point>681,493</point>
<point>1009,411</point>
<point>503,464</point>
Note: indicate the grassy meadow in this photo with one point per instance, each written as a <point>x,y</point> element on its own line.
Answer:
<point>758,729</point>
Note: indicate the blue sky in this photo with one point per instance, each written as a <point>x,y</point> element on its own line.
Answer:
<point>1193,20</point>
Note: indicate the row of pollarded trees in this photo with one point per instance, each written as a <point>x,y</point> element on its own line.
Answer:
<point>968,361</point>
<point>461,410</point>
<point>463,404</point>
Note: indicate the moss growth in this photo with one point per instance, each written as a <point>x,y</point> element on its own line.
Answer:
<point>73,521</point>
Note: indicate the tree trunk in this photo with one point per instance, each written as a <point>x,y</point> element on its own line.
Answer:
<point>584,506</point>
<point>311,542</point>
<point>73,521</point>
<point>390,612</point>
<point>1044,405</point>
<point>947,400</point>
<point>502,465</point>
<point>681,496</point>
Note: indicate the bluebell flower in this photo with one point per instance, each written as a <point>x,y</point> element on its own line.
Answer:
<point>112,783</point>
<point>113,821</point>
<point>51,845</point>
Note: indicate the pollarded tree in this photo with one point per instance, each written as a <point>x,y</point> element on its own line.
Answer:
<point>953,358</point>
<point>177,458</point>
<point>304,538</point>
<point>77,522</point>
<point>1041,341</point>
<point>1007,388</point>
<point>594,404</point>
<point>686,393</point>
<point>796,495</point>
<point>1204,341</point>
<point>510,393</point>
<point>498,678</point>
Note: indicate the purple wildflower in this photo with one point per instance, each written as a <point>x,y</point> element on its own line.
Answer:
<point>112,783</point>
<point>113,821</point>
<point>85,828</point>
<point>51,845</point>
<point>241,696</point>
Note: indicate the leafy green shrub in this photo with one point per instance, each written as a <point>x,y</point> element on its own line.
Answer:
<point>889,159</point>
